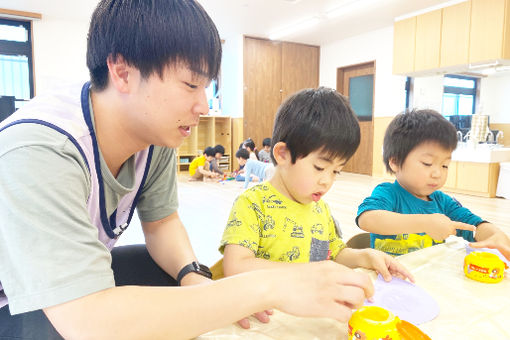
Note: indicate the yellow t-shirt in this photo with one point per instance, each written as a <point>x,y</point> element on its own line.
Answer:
<point>277,228</point>
<point>193,166</point>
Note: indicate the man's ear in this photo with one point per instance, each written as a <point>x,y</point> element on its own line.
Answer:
<point>120,72</point>
<point>281,153</point>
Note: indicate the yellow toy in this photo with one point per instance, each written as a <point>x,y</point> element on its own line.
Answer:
<point>374,323</point>
<point>484,267</point>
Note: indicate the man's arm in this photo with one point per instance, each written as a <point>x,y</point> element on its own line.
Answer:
<point>384,222</point>
<point>132,312</point>
<point>169,246</point>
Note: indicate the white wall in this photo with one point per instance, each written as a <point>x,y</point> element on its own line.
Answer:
<point>59,51</point>
<point>376,45</point>
<point>231,84</point>
<point>495,98</point>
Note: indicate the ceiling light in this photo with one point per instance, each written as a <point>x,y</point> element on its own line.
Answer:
<point>294,28</point>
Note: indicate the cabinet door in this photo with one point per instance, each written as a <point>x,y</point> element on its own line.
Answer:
<point>455,34</point>
<point>404,38</point>
<point>487,27</point>
<point>451,181</point>
<point>262,87</point>
<point>300,68</point>
<point>473,176</point>
<point>428,40</point>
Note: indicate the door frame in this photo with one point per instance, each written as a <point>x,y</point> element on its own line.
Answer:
<point>340,72</point>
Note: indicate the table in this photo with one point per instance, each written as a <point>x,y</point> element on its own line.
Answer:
<point>468,309</point>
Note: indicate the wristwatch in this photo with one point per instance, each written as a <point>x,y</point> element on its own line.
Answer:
<point>194,267</point>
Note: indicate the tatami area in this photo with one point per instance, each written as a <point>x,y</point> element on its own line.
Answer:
<point>204,208</point>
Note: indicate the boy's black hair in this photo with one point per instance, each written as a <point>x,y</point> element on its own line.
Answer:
<point>316,119</point>
<point>408,130</point>
<point>219,149</point>
<point>250,144</point>
<point>243,153</point>
<point>266,142</point>
<point>150,35</point>
<point>209,151</point>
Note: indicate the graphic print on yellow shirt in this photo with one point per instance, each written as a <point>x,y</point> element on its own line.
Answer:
<point>404,243</point>
<point>277,228</point>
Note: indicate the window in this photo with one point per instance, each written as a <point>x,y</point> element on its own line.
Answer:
<point>16,76</point>
<point>459,96</point>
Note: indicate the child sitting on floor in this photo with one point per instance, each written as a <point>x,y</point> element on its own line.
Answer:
<point>219,151</point>
<point>265,153</point>
<point>253,170</point>
<point>412,213</point>
<point>284,219</point>
<point>199,167</point>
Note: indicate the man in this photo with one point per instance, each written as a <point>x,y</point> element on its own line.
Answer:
<point>75,164</point>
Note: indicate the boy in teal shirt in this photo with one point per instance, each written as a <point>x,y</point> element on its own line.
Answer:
<point>411,213</point>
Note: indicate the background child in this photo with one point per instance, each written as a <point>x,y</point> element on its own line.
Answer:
<point>265,153</point>
<point>252,168</point>
<point>198,168</point>
<point>412,213</point>
<point>249,145</point>
<point>219,151</point>
<point>285,220</point>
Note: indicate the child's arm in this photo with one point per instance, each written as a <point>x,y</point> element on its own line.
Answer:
<point>373,259</point>
<point>384,222</point>
<point>205,172</point>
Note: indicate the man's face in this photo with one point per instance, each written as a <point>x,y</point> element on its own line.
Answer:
<point>162,110</point>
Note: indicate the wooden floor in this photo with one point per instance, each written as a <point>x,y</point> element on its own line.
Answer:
<point>205,206</point>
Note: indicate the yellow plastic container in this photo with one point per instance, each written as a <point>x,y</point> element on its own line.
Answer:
<point>484,267</point>
<point>372,322</point>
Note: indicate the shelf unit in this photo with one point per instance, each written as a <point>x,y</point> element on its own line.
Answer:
<point>211,130</point>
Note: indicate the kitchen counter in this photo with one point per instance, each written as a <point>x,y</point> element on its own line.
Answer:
<point>481,153</point>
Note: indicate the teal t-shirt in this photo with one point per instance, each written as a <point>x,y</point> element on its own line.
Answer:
<point>393,197</point>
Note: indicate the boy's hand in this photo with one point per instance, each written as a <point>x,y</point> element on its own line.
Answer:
<point>386,265</point>
<point>440,226</point>
<point>323,289</point>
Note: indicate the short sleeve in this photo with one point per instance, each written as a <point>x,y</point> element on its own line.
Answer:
<point>243,226</point>
<point>159,195</point>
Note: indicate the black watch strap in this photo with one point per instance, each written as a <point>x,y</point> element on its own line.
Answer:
<point>196,268</point>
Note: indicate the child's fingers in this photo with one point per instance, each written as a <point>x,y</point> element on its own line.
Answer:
<point>399,270</point>
<point>244,323</point>
<point>464,226</point>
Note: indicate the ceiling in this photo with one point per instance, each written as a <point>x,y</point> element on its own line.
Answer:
<point>261,17</point>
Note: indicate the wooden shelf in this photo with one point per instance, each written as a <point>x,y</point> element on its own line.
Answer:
<point>211,131</point>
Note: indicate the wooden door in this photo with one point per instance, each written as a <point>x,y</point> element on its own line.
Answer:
<point>262,87</point>
<point>487,29</point>
<point>455,34</point>
<point>359,79</point>
<point>300,68</point>
<point>404,41</point>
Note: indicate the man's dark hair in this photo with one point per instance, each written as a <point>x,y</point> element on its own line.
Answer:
<point>408,130</point>
<point>219,149</point>
<point>266,142</point>
<point>316,119</point>
<point>243,153</point>
<point>151,35</point>
<point>209,151</point>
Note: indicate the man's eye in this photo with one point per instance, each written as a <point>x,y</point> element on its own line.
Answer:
<point>191,86</point>
<point>318,168</point>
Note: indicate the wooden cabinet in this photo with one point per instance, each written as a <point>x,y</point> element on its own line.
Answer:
<point>428,40</point>
<point>404,39</point>
<point>489,38</point>
<point>479,179</point>
<point>455,34</point>
<point>211,130</point>
<point>272,71</point>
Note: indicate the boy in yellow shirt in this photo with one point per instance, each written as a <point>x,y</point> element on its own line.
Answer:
<point>199,167</point>
<point>284,220</point>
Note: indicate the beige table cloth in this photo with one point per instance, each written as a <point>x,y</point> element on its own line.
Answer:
<point>468,309</point>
